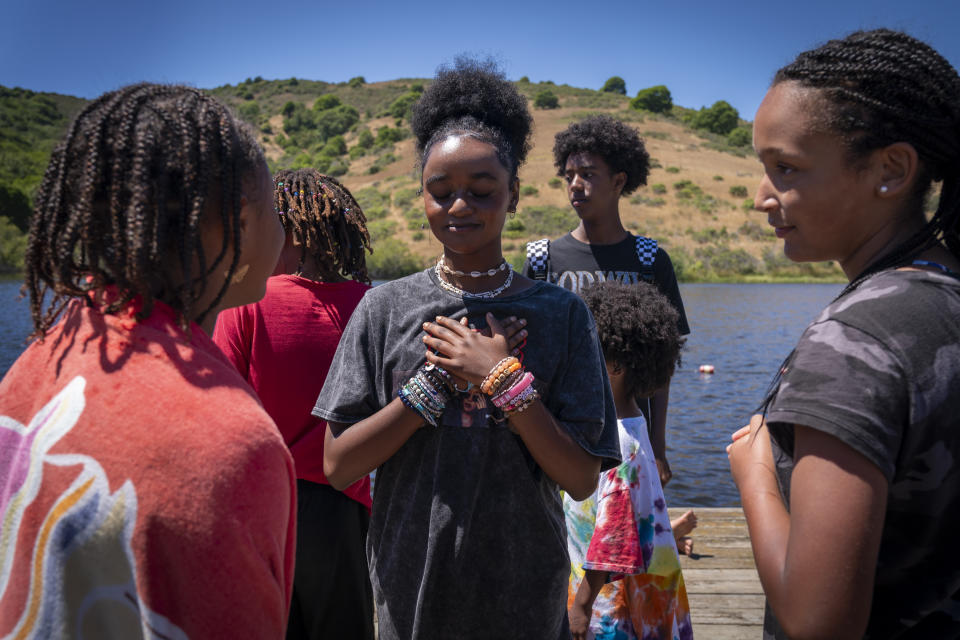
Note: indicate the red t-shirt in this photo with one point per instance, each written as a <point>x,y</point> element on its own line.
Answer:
<point>144,492</point>
<point>283,346</point>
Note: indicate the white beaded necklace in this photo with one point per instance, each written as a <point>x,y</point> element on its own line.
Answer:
<point>472,274</point>
<point>493,293</point>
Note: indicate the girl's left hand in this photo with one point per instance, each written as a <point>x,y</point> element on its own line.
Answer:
<point>463,352</point>
<point>750,455</point>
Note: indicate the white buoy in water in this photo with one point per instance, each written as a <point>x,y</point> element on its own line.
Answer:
<point>706,368</point>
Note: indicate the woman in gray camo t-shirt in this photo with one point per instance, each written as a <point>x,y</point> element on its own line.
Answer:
<point>851,486</point>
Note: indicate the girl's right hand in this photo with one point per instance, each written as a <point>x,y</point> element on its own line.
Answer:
<point>579,618</point>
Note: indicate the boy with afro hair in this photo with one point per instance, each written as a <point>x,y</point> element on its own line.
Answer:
<point>625,579</point>
<point>601,160</point>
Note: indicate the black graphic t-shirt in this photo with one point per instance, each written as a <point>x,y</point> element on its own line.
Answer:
<point>575,265</point>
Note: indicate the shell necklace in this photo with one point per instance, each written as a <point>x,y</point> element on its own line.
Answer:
<point>493,293</point>
<point>472,274</point>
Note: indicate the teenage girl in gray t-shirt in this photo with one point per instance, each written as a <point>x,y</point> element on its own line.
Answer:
<point>471,445</point>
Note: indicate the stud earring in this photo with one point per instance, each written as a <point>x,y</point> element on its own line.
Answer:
<point>240,274</point>
<point>883,188</point>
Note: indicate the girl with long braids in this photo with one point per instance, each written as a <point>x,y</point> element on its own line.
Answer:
<point>849,482</point>
<point>471,444</point>
<point>283,346</point>
<point>144,492</point>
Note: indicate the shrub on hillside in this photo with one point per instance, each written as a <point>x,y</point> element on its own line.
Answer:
<point>658,188</point>
<point>656,99</point>
<point>672,169</point>
<point>546,99</point>
<point>332,122</point>
<point>365,139</point>
<point>740,137</point>
<point>249,111</point>
<point>720,118</point>
<point>756,231</point>
<point>402,107</point>
<point>327,101</point>
<point>381,230</point>
<point>738,191</point>
<point>386,136</point>
<point>336,146</point>
<point>338,167</point>
<point>391,259</point>
<point>404,197</point>
<point>356,82</point>
<point>529,190</point>
<point>724,261</point>
<point>555,183</point>
<point>548,220</point>
<point>615,84</point>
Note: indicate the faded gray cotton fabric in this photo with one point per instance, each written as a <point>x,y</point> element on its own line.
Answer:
<point>880,371</point>
<point>467,537</point>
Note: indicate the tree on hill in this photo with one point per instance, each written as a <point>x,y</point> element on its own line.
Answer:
<point>402,107</point>
<point>656,99</point>
<point>615,84</point>
<point>326,101</point>
<point>546,99</point>
<point>720,118</point>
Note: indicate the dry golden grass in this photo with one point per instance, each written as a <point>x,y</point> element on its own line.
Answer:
<point>675,223</point>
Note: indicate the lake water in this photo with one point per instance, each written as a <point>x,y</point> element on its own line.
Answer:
<point>743,330</point>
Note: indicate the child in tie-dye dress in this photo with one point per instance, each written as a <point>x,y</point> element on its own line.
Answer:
<point>625,579</point>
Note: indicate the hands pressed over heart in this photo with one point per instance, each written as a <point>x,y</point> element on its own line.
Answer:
<point>469,354</point>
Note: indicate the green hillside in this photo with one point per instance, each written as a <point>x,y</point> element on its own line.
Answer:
<point>695,204</point>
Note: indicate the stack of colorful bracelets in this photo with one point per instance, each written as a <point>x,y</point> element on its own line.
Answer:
<point>428,392</point>
<point>509,386</point>
<point>431,388</point>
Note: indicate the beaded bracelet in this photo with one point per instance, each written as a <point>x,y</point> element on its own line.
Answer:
<point>520,404</point>
<point>510,393</point>
<point>504,375</point>
<point>500,367</point>
<point>427,393</point>
<point>410,401</point>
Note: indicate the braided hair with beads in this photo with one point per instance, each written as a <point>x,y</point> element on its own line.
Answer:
<point>327,221</point>
<point>123,197</point>
<point>880,87</point>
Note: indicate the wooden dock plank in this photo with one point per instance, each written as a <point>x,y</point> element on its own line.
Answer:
<point>726,599</point>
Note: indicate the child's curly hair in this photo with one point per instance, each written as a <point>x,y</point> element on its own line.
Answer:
<point>638,330</point>
<point>617,143</point>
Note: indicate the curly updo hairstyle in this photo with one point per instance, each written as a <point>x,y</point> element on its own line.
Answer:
<point>638,330</point>
<point>617,143</point>
<point>475,99</point>
<point>123,197</point>
<point>327,221</point>
<point>880,87</point>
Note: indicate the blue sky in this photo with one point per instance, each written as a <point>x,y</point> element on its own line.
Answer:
<point>703,51</point>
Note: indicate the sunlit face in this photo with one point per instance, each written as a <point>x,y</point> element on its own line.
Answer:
<point>467,193</point>
<point>262,240</point>
<point>816,201</point>
<point>592,186</point>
